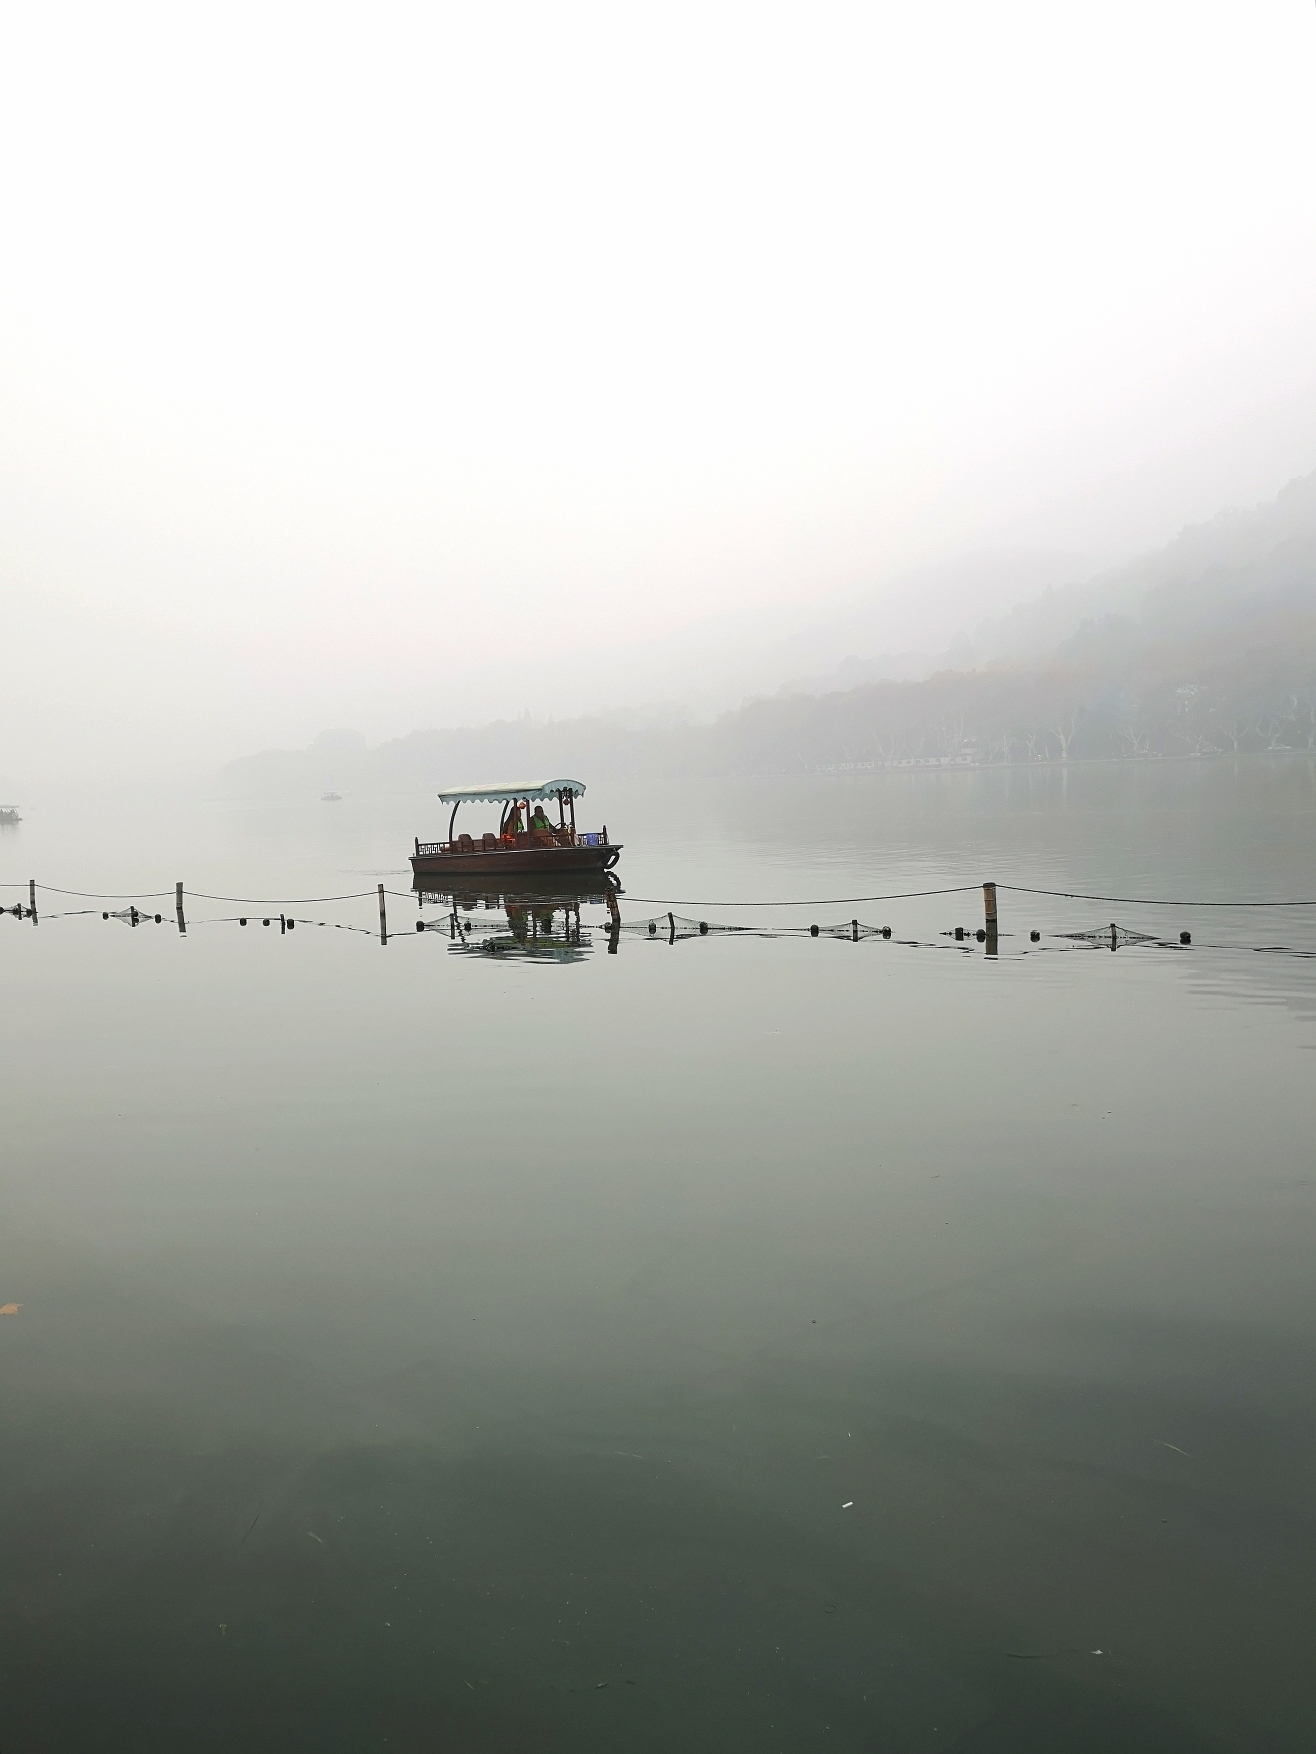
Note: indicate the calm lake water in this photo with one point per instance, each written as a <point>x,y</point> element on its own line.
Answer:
<point>743,1343</point>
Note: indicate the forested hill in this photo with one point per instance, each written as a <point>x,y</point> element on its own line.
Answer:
<point>1207,571</point>
<point>1208,647</point>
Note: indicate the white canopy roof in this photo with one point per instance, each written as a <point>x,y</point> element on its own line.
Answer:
<point>509,794</point>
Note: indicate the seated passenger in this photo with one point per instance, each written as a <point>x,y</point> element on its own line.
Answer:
<point>513,824</point>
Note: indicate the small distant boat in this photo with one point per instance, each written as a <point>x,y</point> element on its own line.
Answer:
<point>331,797</point>
<point>524,845</point>
<point>9,816</point>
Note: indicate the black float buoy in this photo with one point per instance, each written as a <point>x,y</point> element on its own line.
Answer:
<point>1185,937</point>
<point>703,928</point>
<point>1035,937</point>
<point>265,922</point>
<point>813,931</point>
<point>886,931</point>
<point>959,932</point>
<point>653,930</point>
<point>980,935</point>
<point>242,922</point>
<point>420,925</point>
<point>291,924</point>
<point>103,916</point>
<point>157,919</point>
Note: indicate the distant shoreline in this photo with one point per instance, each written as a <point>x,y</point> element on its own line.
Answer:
<point>935,764</point>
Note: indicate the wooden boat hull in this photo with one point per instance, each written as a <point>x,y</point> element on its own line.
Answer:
<point>531,889</point>
<point>505,866</point>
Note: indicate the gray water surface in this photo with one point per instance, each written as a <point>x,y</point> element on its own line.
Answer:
<point>743,1343</point>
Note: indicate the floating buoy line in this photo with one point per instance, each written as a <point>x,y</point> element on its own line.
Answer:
<point>489,935</point>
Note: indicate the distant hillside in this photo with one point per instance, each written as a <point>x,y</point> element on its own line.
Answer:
<point>509,750</point>
<point>850,645</point>
<point>1180,590</point>
<point>1179,587</point>
<point>1206,647</point>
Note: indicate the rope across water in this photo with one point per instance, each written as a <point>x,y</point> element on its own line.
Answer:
<point>683,901</point>
<point>961,889</point>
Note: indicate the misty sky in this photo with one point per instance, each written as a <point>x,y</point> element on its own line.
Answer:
<point>348,351</point>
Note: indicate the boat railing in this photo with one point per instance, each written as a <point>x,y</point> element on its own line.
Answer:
<point>558,837</point>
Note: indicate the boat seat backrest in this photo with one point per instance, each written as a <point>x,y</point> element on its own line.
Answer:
<point>465,844</point>
<point>490,843</point>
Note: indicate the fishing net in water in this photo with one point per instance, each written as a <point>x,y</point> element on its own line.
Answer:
<point>672,928</point>
<point>541,938</point>
<point>1111,936</point>
<point>542,949</point>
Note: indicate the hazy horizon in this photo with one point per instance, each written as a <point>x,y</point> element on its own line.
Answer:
<point>388,370</point>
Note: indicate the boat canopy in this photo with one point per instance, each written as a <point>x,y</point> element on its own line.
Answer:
<point>510,794</point>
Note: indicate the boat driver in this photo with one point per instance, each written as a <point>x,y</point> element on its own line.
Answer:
<point>539,823</point>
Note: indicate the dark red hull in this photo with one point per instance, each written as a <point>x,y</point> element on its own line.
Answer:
<point>504,865</point>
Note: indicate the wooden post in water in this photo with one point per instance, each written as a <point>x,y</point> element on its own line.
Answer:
<point>178,904</point>
<point>32,898</point>
<point>383,918</point>
<point>989,911</point>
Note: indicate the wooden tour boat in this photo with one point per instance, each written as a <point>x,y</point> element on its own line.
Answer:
<point>520,848</point>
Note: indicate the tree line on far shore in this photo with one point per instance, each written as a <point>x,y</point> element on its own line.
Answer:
<point>1107,702</point>
<point>1105,697</point>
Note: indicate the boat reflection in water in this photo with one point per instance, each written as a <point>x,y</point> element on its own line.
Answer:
<point>537,921</point>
